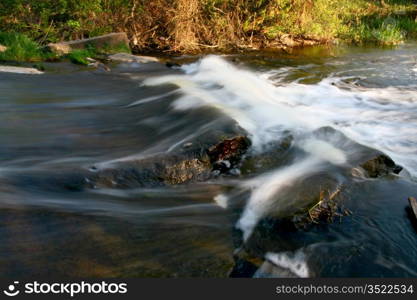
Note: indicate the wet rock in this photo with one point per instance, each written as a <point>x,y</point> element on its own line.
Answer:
<point>381,165</point>
<point>90,60</point>
<point>2,48</point>
<point>316,196</point>
<point>319,196</point>
<point>226,154</point>
<point>172,65</point>
<point>98,65</point>
<point>327,208</point>
<point>20,70</point>
<point>186,170</point>
<point>257,263</point>
<point>129,58</point>
<point>275,155</point>
<point>99,42</point>
<point>246,264</point>
<point>193,163</point>
<point>372,162</point>
<point>243,269</point>
<point>314,200</point>
<point>292,42</point>
<point>155,171</point>
<point>126,249</point>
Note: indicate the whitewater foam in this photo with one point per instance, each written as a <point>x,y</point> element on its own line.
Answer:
<point>381,118</point>
<point>294,262</point>
<point>266,108</point>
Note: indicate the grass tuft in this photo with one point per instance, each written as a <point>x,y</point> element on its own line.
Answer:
<point>79,57</point>
<point>19,48</point>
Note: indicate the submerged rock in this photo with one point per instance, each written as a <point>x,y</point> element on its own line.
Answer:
<point>192,161</point>
<point>372,162</point>
<point>184,164</point>
<point>313,200</point>
<point>172,65</point>
<point>98,65</point>
<point>245,264</point>
<point>313,193</point>
<point>260,264</point>
<point>275,155</point>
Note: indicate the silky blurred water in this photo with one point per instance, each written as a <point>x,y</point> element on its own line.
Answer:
<point>69,119</point>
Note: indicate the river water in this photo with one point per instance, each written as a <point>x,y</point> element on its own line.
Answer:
<point>69,119</point>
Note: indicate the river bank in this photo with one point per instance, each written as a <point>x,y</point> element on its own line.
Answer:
<point>197,26</point>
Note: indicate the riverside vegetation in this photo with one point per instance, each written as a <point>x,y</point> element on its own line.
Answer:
<point>189,26</point>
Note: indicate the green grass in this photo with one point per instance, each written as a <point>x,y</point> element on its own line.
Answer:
<point>384,33</point>
<point>19,48</point>
<point>374,23</point>
<point>387,34</point>
<point>79,57</point>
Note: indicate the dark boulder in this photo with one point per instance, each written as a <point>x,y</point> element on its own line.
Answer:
<point>228,153</point>
<point>193,161</point>
<point>373,162</point>
<point>172,65</point>
<point>275,155</point>
<point>381,165</point>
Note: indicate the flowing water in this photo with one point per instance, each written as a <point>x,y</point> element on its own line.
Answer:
<point>69,119</point>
